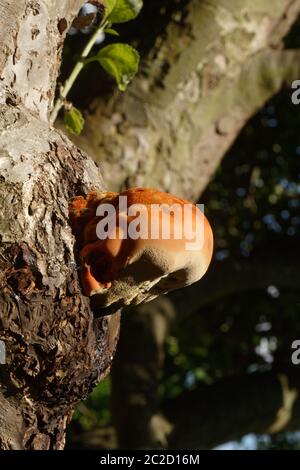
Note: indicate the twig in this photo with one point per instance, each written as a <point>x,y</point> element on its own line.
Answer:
<point>75,72</point>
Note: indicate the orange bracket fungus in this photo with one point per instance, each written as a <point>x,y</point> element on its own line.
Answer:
<point>138,244</point>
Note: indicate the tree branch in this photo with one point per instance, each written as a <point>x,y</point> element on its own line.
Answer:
<point>206,76</point>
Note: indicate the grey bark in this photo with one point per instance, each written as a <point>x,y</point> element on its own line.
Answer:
<point>31,39</point>
<point>56,351</point>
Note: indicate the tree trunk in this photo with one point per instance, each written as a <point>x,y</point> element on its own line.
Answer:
<point>55,350</point>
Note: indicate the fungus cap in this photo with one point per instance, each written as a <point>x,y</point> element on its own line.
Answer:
<point>168,249</point>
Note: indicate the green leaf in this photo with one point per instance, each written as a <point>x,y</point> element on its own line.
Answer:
<point>125,10</point>
<point>74,121</point>
<point>109,6</point>
<point>111,31</point>
<point>119,60</point>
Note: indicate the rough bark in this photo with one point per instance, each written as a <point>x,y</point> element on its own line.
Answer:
<point>55,349</point>
<point>31,39</point>
<point>215,64</point>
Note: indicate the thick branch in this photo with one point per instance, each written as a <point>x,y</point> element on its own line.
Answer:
<point>203,80</point>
